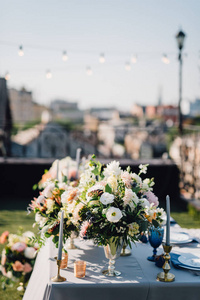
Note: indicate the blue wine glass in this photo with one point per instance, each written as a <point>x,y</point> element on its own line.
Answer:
<point>155,236</point>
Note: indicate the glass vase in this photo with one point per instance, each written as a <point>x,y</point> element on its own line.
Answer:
<point>155,236</point>
<point>70,242</point>
<point>112,251</point>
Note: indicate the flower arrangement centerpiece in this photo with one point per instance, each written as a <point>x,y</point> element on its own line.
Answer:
<point>63,170</point>
<point>55,198</point>
<point>115,205</point>
<point>18,256</point>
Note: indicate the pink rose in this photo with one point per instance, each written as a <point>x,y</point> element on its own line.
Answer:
<point>19,247</point>
<point>18,266</point>
<point>4,237</point>
<point>27,268</point>
<point>151,197</point>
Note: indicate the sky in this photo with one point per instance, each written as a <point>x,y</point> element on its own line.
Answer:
<point>86,28</point>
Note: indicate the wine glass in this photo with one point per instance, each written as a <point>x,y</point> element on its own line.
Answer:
<point>155,236</point>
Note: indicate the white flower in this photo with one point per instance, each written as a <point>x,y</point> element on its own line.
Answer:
<point>40,220</point>
<point>30,252</point>
<point>106,198</point>
<point>112,181</point>
<point>48,190</point>
<point>143,168</point>
<point>113,214</point>
<point>112,169</point>
<point>40,200</point>
<point>50,205</point>
<point>144,202</point>
<point>137,178</point>
<point>28,234</point>
<point>62,185</point>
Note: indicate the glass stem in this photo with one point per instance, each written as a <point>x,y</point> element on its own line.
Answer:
<point>111,267</point>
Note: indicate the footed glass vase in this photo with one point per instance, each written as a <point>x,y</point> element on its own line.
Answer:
<point>155,239</point>
<point>70,242</point>
<point>112,251</point>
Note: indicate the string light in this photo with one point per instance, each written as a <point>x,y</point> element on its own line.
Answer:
<point>21,51</point>
<point>64,56</point>
<point>134,59</point>
<point>89,71</point>
<point>48,74</point>
<point>102,58</point>
<point>165,59</point>
<point>7,76</point>
<point>127,66</point>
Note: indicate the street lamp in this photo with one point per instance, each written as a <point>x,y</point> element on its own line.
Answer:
<point>180,37</point>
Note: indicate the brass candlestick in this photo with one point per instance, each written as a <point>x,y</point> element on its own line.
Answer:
<point>58,278</point>
<point>166,276</point>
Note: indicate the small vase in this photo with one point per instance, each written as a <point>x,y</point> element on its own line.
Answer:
<point>112,251</point>
<point>125,251</point>
<point>70,243</point>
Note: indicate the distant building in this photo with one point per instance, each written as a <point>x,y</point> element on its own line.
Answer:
<point>195,108</point>
<point>21,103</point>
<point>65,110</point>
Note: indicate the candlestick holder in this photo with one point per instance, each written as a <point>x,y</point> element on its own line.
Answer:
<point>58,278</point>
<point>166,276</point>
<point>125,251</point>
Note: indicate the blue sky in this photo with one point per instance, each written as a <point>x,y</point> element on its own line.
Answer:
<point>86,28</point>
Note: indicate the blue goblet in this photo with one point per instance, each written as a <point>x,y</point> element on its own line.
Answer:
<point>155,236</point>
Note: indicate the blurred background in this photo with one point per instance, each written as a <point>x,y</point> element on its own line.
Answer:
<point>117,79</point>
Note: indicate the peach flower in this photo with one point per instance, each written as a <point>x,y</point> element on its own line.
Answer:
<point>19,247</point>
<point>27,268</point>
<point>4,237</point>
<point>18,266</point>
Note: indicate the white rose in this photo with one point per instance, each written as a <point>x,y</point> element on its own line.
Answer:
<point>28,234</point>
<point>144,202</point>
<point>114,214</point>
<point>106,198</point>
<point>48,190</point>
<point>50,205</point>
<point>30,252</point>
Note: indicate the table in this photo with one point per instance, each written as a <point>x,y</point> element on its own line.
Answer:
<point>137,281</point>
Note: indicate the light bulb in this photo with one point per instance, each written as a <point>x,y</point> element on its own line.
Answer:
<point>48,74</point>
<point>127,66</point>
<point>134,59</point>
<point>89,71</point>
<point>7,76</point>
<point>64,56</point>
<point>21,51</point>
<point>165,59</point>
<point>102,58</point>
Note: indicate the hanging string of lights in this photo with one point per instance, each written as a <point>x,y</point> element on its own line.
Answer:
<point>89,71</point>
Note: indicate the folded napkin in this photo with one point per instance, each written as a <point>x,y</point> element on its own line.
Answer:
<point>177,264</point>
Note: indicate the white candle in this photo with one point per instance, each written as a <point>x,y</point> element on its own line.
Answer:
<point>57,172</point>
<point>60,242</point>
<point>78,152</point>
<point>168,221</point>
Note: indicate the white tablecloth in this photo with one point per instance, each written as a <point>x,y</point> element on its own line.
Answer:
<point>137,281</point>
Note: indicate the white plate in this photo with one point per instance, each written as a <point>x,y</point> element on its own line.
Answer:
<point>179,238</point>
<point>189,261</point>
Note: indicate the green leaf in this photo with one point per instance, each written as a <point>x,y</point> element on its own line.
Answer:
<point>108,189</point>
<point>155,223</point>
<point>35,186</point>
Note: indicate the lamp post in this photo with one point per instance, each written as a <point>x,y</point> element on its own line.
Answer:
<point>180,37</point>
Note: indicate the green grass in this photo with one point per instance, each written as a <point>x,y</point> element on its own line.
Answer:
<point>13,214</point>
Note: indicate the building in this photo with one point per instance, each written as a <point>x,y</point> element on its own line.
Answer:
<point>21,103</point>
<point>65,110</point>
<point>195,108</point>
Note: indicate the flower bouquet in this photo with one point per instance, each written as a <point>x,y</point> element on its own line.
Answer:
<point>18,255</point>
<point>55,198</point>
<point>115,206</point>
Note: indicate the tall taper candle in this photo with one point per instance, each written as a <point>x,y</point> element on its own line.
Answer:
<point>78,152</point>
<point>60,242</point>
<point>168,221</point>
